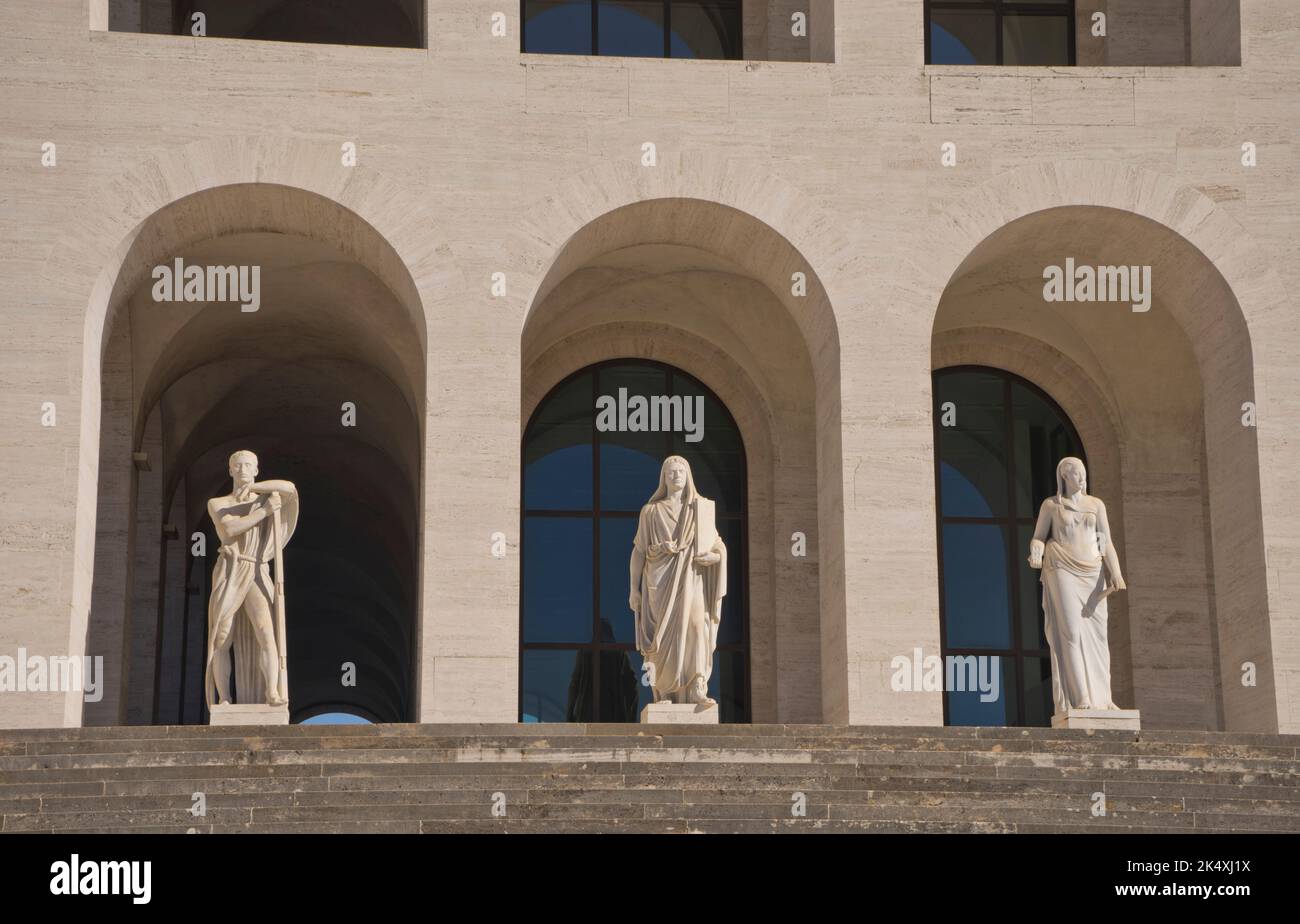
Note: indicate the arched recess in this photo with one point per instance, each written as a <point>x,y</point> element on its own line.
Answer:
<point>707,288</point>
<point>584,485</point>
<point>326,381</point>
<point>1162,392</point>
<point>100,259</point>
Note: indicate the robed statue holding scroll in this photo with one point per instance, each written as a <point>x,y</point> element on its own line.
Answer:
<point>679,577</point>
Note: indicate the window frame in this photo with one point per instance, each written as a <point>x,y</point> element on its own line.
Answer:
<point>1020,651</point>
<point>668,32</point>
<point>595,647</point>
<point>999,9</point>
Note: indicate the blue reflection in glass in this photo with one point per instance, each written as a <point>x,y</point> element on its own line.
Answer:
<point>976,601</point>
<point>557,579</point>
<point>558,27</point>
<point>552,686</point>
<point>559,480</point>
<point>946,48</point>
<point>968,708</point>
<point>616,534</point>
<point>628,476</point>
<point>634,28</point>
<point>960,496</point>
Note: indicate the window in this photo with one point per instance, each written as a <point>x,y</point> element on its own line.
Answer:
<point>994,465</point>
<point>582,494</point>
<point>1040,32</point>
<point>634,28</point>
<point>392,23</point>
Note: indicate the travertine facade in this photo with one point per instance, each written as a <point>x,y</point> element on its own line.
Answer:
<point>474,160</point>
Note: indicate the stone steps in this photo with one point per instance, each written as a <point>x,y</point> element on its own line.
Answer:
<point>619,778</point>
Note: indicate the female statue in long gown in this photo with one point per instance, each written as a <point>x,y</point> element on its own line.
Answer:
<point>677,587</point>
<point>1072,544</point>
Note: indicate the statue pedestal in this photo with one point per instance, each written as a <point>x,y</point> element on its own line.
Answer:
<point>679,714</point>
<point>249,714</point>
<point>1107,719</point>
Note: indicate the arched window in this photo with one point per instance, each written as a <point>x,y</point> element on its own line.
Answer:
<point>583,490</point>
<point>997,441</point>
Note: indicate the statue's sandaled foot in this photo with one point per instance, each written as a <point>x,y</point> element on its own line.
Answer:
<point>276,701</point>
<point>699,694</point>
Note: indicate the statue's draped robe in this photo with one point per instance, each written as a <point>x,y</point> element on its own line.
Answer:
<point>1074,610</point>
<point>243,567</point>
<point>681,605</point>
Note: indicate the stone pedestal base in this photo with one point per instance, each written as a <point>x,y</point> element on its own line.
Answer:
<point>1114,719</point>
<point>249,714</point>
<point>679,714</point>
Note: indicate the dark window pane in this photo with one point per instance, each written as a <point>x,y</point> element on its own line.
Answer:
<point>557,450</point>
<point>616,620</point>
<point>703,29</point>
<point>1031,595</point>
<point>630,460</point>
<point>973,459</point>
<point>733,604</point>
<point>728,685</point>
<point>557,26</point>
<point>557,579</point>
<point>631,27</point>
<point>622,695</point>
<point>1042,438</point>
<point>975,594</point>
<point>1035,40</point>
<point>557,686</point>
<point>1038,691</point>
<point>963,37</point>
<point>968,707</point>
<point>717,458</point>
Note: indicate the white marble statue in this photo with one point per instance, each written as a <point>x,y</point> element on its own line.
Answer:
<point>1072,545</point>
<point>246,610</point>
<point>679,577</point>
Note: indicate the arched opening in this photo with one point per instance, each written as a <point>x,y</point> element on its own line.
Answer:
<point>324,380</point>
<point>707,290</point>
<point>583,488</point>
<point>997,440</point>
<point>1154,378</point>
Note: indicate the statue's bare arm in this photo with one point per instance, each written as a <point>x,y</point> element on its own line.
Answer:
<point>286,488</point>
<point>230,527</point>
<point>1041,530</point>
<point>636,566</point>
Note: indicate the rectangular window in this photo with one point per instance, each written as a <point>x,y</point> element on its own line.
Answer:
<point>990,32</point>
<point>632,28</point>
<point>379,23</point>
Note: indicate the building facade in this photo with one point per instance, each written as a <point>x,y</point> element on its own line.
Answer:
<point>843,251</point>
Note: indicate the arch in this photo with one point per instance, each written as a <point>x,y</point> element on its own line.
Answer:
<point>608,515</point>
<point>1223,299</point>
<point>390,235</point>
<point>704,232</point>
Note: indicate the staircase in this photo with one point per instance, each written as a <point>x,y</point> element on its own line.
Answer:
<point>630,778</point>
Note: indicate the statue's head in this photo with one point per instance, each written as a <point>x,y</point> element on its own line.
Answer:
<point>676,472</point>
<point>243,467</point>
<point>675,475</point>
<point>1071,477</point>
